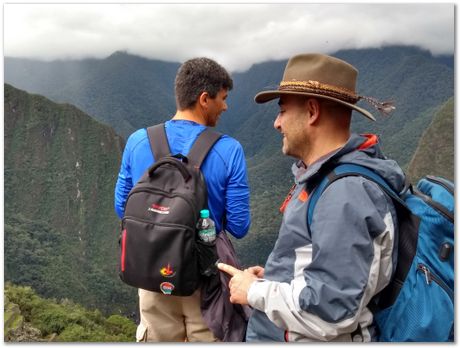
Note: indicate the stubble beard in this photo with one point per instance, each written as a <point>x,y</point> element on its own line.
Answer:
<point>291,150</point>
<point>285,147</point>
<point>212,121</point>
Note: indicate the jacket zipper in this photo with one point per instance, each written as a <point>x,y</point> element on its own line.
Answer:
<point>286,336</point>
<point>287,199</point>
<point>429,276</point>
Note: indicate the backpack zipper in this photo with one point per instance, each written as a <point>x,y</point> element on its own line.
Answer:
<point>429,276</point>
<point>441,183</point>
<point>448,215</point>
<point>123,250</point>
<point>166,224</point>
<point>185,198</point>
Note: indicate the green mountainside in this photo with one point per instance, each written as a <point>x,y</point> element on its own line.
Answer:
<point>31,318</point>
<point>435,151</point>
<point>124,91</point>
<point>416,81</point>
<point>61,232</point>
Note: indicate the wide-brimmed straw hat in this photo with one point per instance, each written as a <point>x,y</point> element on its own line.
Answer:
<point>322,76</point>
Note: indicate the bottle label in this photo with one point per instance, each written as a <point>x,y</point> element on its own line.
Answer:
<point>207,235</point>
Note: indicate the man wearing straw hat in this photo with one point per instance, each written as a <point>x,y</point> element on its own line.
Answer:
<point>318,281</point>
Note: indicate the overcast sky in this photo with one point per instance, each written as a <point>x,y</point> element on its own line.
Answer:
<point>236,35</point>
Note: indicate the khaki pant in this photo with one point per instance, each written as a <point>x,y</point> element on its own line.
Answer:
<point>166,318</point>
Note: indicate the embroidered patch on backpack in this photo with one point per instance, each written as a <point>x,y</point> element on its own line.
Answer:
<point>156,208</point>
<point>166,288</point>
<point>167,271</point>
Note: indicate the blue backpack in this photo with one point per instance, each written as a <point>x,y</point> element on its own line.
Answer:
<point>418,304</point>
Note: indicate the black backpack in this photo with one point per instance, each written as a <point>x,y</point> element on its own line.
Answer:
<point>159,251</point>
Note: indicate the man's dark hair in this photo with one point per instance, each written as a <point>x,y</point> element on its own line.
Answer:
<point>335,108</point>
<point>199,75</point>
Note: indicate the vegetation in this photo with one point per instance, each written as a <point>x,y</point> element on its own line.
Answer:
<point>60,320</point>
<point>61,233</point>
<point>435,151</point>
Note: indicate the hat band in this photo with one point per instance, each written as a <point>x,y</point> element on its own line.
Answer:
<point>321,89</point>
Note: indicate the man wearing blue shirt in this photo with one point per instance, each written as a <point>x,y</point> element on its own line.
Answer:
<point>201,89</point>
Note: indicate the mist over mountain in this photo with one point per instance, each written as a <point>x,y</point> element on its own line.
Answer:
<point>124,91</point>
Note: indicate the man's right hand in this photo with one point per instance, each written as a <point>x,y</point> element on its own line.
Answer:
<point>256,270</point>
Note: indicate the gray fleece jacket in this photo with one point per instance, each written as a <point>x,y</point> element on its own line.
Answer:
<point>317,287</point>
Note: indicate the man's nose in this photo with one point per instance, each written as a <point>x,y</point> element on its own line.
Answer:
<point>277,123</point>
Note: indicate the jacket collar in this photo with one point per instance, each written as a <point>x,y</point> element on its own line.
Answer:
<point>364,142</point>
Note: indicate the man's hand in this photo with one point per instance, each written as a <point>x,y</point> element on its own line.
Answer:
<point>257,271</point>
<point>240,282</point>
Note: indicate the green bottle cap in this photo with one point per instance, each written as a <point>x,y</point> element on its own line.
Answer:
<point>204,213</point>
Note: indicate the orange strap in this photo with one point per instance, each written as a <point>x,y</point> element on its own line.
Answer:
<point>287,199</point>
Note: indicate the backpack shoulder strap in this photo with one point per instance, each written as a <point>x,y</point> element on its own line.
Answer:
<point>408,235</point>
<point>343,170</point>
<point>202,145</point>
<point>158,141</point>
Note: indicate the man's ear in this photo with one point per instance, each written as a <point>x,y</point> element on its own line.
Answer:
<point>203,99</point>
<point>313,107</point>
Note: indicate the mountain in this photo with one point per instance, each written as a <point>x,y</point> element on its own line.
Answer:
<point>123,91</point>
<point>435,151</point>
<point>129,92</point>
<point>416,81</point>
<point>61,232</point>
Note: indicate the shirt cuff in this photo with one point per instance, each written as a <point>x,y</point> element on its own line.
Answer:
<point>256,294</point>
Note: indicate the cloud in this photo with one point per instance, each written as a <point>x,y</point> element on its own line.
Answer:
<point>237,35</point>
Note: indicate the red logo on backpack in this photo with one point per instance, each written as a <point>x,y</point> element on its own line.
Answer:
<point>156,208</point>
<point>167,271</point>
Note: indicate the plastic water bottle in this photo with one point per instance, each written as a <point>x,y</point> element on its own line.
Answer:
<point>206,227</point>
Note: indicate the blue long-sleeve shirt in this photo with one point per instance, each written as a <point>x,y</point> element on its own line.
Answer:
<point>224,170</point>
